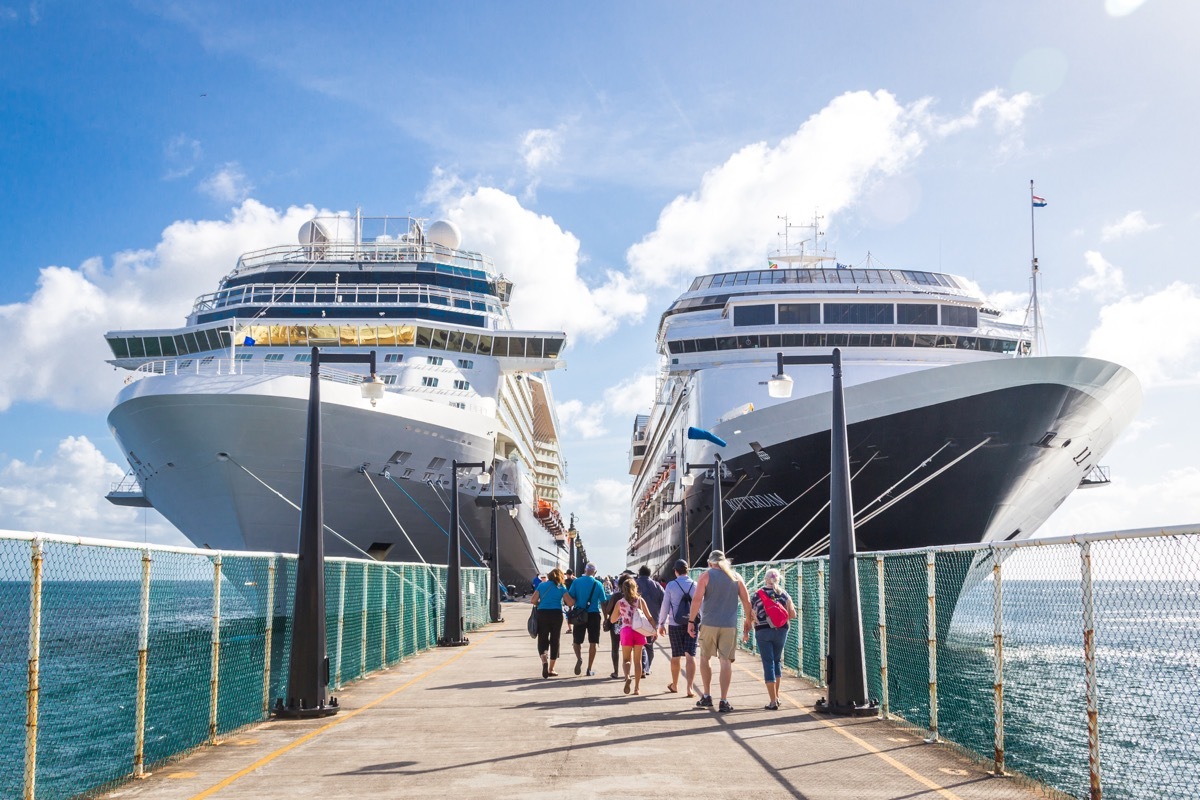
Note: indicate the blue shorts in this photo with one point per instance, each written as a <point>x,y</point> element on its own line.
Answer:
<point>681,643</point>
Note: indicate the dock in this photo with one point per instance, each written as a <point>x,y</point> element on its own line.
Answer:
<point>481,721</point>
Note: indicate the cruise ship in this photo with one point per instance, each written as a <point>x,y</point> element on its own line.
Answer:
<point>212,418</point>
<point>960,430</point>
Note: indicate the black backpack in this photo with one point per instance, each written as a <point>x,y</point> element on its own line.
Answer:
<point>684,611</point>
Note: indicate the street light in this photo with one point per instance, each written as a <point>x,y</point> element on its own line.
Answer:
<point>718,513</point>
<point>308,671</point>
<point>452,624</point>
<point>846,665</point>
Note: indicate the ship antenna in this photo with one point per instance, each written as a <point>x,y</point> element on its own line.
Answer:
<point>1033,312</point>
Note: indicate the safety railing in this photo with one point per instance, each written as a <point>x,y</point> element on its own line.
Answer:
<point>1069,662</point>
<point>125,656</point>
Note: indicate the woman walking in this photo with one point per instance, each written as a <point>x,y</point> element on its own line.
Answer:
<point>548,599</point>
<point>773,609</point>
<point>632,641</point>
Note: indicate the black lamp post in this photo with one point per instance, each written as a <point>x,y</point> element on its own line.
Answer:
<point>718,513</point>
<point>846,664</point>
<point>685,550</point>
<point>572,534</point>
<point>308,672</point>
<point>452,623</point>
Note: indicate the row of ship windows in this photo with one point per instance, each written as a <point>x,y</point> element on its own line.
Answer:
<point>855,314</point>
<point>388,358</point>
<point>778,340</point>
<point>841,275</point>
<point>336,336</point>
<point>390,380</point>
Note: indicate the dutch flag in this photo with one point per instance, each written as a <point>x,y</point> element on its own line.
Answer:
<point>1039,202</point>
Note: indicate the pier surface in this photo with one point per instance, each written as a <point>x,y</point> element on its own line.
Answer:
<point>481,721</point>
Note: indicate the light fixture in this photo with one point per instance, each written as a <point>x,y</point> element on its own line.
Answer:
<point>688,479</point>
<point>512,511</point>
<point>780,386</point>
<point>484,478</point>
<point>664,514</point>
<point>372,389</point>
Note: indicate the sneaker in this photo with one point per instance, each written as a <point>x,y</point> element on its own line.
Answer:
<point>578,665</point>
<point>771,707</point>
<point>614,676</point>
<point>723,707</point>
<point>591,673</point>
<point>545,670</point>
<point>705,701</point>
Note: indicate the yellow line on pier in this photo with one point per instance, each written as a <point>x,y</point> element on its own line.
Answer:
<point>209,792</point>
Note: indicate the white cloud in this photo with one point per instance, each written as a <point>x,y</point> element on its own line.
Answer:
<point>1156,335</point>
<point>64,493</point>
<point>181,153</point>
<point>1131,224</point>
<point>541,148</point>
<point>585,420</point>
<point>604,522</point>
<point>1164,500</point>
<point>228,184</point>
<point>631,396</point>
<point>1122,8</point>
<point>835,158</point>
<point>57,348</point>
<point>542,260</point>
<point>1103,281</point>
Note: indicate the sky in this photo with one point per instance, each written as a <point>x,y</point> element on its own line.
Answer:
<point>603,155</point>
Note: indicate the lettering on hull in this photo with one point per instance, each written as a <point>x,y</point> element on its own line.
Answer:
<point>771,500</point>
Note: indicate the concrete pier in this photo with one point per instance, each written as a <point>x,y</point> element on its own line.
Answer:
<point>480,721</point>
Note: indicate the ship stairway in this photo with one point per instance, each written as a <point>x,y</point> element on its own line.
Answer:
<point>1099,476</point>
<point>128,492</point>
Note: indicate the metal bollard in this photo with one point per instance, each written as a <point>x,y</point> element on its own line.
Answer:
<point>270,618</point>
<point>931,587</point>
<point>1089,657</point>
<point>883,654</point>
<point>139,725</point>
<point>998,654</point>
<point>214,679</point>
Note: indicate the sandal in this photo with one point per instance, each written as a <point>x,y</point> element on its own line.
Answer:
<point>545,670</point>
<point>671,688</point>
<point>553,674</point>
<point>628,683</point>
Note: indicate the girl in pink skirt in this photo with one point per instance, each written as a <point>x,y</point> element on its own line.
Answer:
<point>631,641</point>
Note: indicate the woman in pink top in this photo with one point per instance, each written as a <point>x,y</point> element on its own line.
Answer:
<point>631,641</point>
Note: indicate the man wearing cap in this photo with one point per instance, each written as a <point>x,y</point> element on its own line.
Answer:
<point>717,594</point>
<point>678,594</point>
<point>588,591</point>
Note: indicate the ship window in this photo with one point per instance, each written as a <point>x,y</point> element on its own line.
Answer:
<point>916,314</point>
<point>705,345</point>
<point>747,342</point>
<point>553,348</point>
<point>960,316</point>
<point>926,340</point>
<point>799,313</point>
<point>465,363</point>
<point>675,347</point>
<point>533,347</point>
<point>120,347</point>
<point>305,357</point>
<point>204,362</point>
<point>244,356</point>
<point>434,360</point>
<point>966,343</point>
<point>881,340</point>
<point>947,341</point>
<point>408,473</point>
<point>274,357</point>
<point>470,342</point>
<point>726,343</point>
<point>151,345</point>
<point>187,362</point>
<point>500,346</point>
<point>516,347</point>
<point>391,380</point>
<point>454,341</point>
<point>753,315</point>
<point>837,340</point>
<point>428,381</point>
<point>859,314</point>
<point>190,339</point>
<point>181,347</point>
<point>438,342</point>
<point>462,386</point>
<point>485,345</point>
<point>436,463</point>
<point>860,340</point>
<point>399,457</point>
<point>905,340</point>
<point>424,336</point>
<point>771,340</point>
<point>392,358</point>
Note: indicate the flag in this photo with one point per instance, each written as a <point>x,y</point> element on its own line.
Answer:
<point>772,265</point>
<point>1039,202</point>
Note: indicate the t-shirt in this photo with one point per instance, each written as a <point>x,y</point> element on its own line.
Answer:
<point>550,596</point>
<point>760,613</point>
<point>676,590</point>
<point>586,585</point>
<point>651,592</point>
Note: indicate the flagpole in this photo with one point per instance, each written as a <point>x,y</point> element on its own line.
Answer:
<point>1037,345</point>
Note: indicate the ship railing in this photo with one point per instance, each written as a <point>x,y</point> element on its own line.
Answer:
<point>129,484</point>
<point>208,366</point>
<point>331,294</point>
<point>366,251</point>
<point>160,625</point>
<point>1063,637</point>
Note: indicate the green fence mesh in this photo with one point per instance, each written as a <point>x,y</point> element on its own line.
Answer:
<point>210,667</point>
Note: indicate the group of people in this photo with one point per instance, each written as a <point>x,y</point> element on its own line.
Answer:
<point>694,615</point>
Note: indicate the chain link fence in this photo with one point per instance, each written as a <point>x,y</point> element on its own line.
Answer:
<point>125,656</point>
<point>1071,663</point>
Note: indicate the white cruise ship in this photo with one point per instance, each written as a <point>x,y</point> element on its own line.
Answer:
<point>959,431</point>
<point>212,417</point>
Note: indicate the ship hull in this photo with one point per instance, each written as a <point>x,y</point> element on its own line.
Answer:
<point>223,459</point>
<point>965,453</point>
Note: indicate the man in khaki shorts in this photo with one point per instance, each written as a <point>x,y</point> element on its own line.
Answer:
<point>717,594</point>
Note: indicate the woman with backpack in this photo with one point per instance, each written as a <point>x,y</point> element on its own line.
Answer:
<point>636,625</point>
<point>773,608</point>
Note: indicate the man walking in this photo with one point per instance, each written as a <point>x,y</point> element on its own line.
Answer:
<point>717,594</point>
<point>652,593</point>
<point>588,592</point>
<point>676,608</point>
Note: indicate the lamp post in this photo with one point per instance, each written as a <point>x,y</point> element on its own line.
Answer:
<point>308,671</point>
<point>846,665</point>
<point>452,623</point>
<point>684,546</point>
<point>572,533</point>
<point>718,513</point>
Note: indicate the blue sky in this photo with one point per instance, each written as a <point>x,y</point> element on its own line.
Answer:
<point>602,154</point>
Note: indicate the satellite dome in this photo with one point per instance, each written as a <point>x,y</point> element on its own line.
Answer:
<point>314,232</point>
<point>444,233</point>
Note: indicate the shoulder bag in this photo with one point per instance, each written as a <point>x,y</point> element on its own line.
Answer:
<point>639,623</point>
<point>578,615</point>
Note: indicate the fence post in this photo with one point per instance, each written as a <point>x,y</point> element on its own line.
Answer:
<point>931,587</point>
<point>35,650</point>
<point>800,617</point>
<point>269,614</point>
<point>383,660</point>
<point>883,654</point>
<point>1089,656</point>
<point>998,647</point>
<point>821,654</point>
<point>139,724</point>
<point>337,673</point>
<point>362,660</point>
<point>214,681</point>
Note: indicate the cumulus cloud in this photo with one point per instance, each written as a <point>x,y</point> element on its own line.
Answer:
<point>63,493</point>
<point>1131,224</point>
<point>604,525</point>
<point>57,351</point>
<point>540,148</point>
<point>229,184</point>
<point>1169,318</point>
<point>542,260</point>
<point>182,154</point>
<point>835,159</point>
<point>589,420</point>
<point>1162,500</point>
<point>1103,281</point>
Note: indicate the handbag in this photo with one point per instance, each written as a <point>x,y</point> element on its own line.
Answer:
<point>578,615</point>
<point>776,612</point>
<point>532,624</point>
<point>640,624</point>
